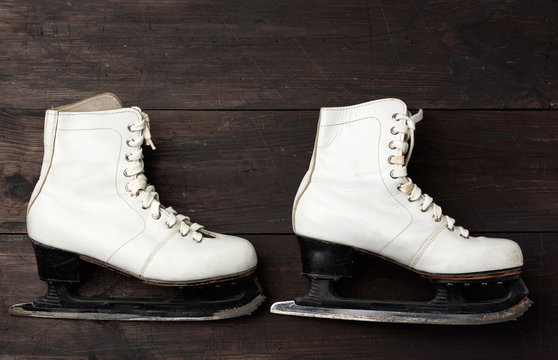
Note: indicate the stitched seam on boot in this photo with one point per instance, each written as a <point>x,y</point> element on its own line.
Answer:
<point>103,113</point>
<point>394,198</point>
<point>314,158</point>
<point>52,145</point>
<point>350,121</point>
<point>156,250</point>
<point>116,185</point>
<point>426,245</point>
<point>374,102</point>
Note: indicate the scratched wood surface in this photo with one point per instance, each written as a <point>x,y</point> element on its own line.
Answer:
<point>278,54</point>
<point>233,90</point>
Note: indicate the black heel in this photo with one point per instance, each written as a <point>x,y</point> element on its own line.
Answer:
<point>324,263</point>
<point>55,265</point>
<point>325,260</point>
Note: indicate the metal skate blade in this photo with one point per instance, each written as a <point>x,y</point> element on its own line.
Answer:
<point>77,314</point>
<point>291,308</point>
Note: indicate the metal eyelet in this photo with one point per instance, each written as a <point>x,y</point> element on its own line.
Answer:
<point>391,146</point>
<point>156,218</point>
<point>125,172</point>
<point>389,159</point>
<point>393,131</point>
<point>391,174</point>
<point>130,127</point>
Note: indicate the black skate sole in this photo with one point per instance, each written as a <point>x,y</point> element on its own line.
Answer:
<point>62,265</point>
<point>30,310</point>
<point>473,276</point>
<point>324,263</point>
<point>208,299</point>
<point>205,302</point>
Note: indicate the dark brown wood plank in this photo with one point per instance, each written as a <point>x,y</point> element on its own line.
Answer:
<point>268,336</point>
<point>271,55</point>
<point>238,171</point>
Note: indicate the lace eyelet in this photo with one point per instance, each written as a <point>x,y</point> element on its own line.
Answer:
<point>389,159</point>
<point>143,207</point>
<point>452,229</point>
<point>125,172</point>
<point>128,156</point>
<point>437,220</point>
<point>391,174</point>
<point>156,218</point>
<point>391,145</point>
<point>423,210</point>
<point>464,237</point>
<point>394,115</point>
<point>410,200</point>
<point>393,131</point>
<point>168,226</point>
<point>130,127</point>
<point>128,143</point>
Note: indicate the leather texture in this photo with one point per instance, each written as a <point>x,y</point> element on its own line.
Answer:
<point>349,197</point>
<point>81,203</point>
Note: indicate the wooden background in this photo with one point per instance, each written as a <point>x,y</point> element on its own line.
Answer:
<point>233,89</point>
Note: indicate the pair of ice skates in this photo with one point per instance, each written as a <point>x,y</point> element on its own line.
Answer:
<point>93,204</point>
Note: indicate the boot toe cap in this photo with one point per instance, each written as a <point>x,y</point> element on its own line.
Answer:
<point>184,260</point>
<point>452,254</point>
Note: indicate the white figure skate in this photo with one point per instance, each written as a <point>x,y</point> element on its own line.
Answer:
<point>356,196</point>
<point>93,203</point>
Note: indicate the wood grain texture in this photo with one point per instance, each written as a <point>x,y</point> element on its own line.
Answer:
<point>268,336</point>
<point>268,55</point>
<point>238,172</point>
<point>232,89</point>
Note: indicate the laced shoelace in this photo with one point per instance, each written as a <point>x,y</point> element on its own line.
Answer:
<point>139,184</point>
<point>406,126</point>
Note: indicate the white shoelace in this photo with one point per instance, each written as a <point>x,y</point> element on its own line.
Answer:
<point>406,126</point>
<point>139,183</point>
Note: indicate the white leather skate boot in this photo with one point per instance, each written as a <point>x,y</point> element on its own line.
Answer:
<point>357,196</point>
<point>93,203</point>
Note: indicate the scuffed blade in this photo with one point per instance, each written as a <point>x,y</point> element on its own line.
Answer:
<point>290,308</point>
<point>77,314</point>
